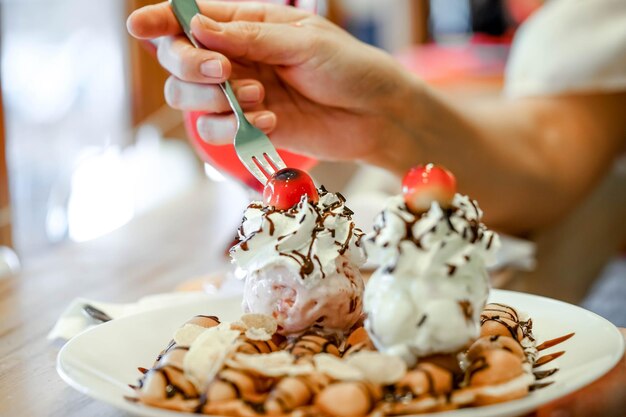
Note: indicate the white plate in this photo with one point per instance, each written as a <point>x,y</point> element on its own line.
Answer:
<point>101,362</point>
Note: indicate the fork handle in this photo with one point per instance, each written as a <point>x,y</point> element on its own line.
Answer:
<point>234,104</point>
<point>185,10</point>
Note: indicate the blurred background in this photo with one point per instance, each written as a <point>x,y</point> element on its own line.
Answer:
<point>86,129</point>
<point>87,143</point>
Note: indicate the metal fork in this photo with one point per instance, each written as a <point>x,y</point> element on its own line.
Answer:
<point>253,147</point>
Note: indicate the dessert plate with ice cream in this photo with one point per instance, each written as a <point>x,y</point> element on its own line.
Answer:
<point>425,335</point>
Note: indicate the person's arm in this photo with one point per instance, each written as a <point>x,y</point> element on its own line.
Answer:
<point>526,161</point>
<point>323,93</point>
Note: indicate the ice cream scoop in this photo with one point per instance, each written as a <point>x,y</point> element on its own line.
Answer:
<point>301,264</point>
<point>431,285</point>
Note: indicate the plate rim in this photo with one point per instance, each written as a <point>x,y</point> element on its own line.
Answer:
<point>486,411</point>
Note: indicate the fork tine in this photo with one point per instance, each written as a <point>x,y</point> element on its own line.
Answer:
<point>275,159</point>
<point>269,160</point>
<point>264,165</point>
<point>255,170</point>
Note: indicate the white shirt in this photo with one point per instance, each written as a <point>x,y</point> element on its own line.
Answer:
<point>570,46</point>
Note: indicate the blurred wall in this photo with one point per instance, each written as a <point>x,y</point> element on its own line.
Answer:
<point>147,77</point>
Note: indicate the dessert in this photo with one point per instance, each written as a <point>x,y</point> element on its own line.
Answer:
<point>245,369</point>
<point>428,343</point>
<point>431,249</point>
<point>301,260</point>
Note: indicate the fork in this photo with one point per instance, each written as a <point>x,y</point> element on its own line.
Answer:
<point>253,147</point>
<point>96,313</point>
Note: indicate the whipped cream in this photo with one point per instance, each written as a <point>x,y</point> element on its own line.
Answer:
<point>308,238</point>
<point>431,285</point>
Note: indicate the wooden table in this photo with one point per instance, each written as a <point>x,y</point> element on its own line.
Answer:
<point>152,254</point>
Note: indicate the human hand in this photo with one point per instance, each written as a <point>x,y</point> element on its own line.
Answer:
<point>314,87</point>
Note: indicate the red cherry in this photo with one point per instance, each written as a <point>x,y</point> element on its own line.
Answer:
<point>427,183</point>
<point>286,187</point>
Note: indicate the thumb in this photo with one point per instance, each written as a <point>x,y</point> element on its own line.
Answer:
<point>270,43</point>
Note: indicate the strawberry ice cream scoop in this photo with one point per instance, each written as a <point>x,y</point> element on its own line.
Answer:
<point>332,306</point>
<point>301,264</point>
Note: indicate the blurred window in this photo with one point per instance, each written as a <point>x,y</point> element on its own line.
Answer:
<point>65,98</point>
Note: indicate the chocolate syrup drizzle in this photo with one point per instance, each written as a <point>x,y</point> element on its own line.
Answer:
<point>171,389</point>
<point>466,308</point>
<point>312,343</point>
<point>505,315</point>
<point>403,394</point>
<point>480,364</point>
<point>307,260</point>
<point>511,328</point>
<point>430,378</point>
<point>505,310</point>
<point>473,232</point>
<point>257,348</point>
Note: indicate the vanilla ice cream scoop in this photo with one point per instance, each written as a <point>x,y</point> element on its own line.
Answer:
<point>301,265</point>
<point>431,285</point>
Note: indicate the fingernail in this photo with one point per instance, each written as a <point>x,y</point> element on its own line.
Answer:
<point>207,23</point>
<point>211,68</point>
<point>265,121</point>
<point>172,92</point>
<point>249,93</point>
<point>202,128</point>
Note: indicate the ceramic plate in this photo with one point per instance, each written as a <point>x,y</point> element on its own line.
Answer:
<point>101,362</point>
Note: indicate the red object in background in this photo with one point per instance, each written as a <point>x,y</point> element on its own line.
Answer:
<point>224,158</point>
<point>520,10</point>
<point>479,59</point>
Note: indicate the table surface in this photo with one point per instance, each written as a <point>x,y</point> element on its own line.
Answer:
<point>154,253</point>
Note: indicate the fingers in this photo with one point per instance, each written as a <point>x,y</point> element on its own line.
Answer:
<point>153,21</point>
<point>251,11</point>
<point>210,98</point>
<point>159,20</point>
<point>221,129</point>
<point>178,56</point>
<point>270,43</point>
